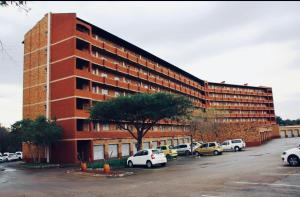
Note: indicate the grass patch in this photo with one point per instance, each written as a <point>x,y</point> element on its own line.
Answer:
<point>40,165</point>
<point>115,163</point>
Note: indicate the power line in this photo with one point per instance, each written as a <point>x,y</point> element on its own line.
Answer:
<point>4,51</point>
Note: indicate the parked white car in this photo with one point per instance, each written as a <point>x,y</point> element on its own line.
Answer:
<point>233,145</point>
<point>147,157</point>
<point>291,156</point>
<point>5,156</point>
<point>196,145</point>
<point>19,155</point>
<point>183,149</point>
<point>12,157</point>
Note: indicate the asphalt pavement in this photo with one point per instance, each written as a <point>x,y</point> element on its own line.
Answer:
<point>257,171</point>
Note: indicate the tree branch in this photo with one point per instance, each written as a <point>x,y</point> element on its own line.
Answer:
<point>127,129</point>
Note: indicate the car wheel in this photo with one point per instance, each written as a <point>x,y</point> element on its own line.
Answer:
<point>148,164</point>
<point>236,149</point>
<point>197,154</point>
<point>187,152</point>
<point>216,152</point>
<point>163,164</point>
<point>293,160</point>
<point>130,164</point>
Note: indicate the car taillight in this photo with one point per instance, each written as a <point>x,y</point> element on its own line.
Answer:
<point>152,156</point>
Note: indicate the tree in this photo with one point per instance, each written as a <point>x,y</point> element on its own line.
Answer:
<point>286,122</point>
<point>4,133</point>
<point>44,133</point>
<point>17,3</point>
<point>138,113</point>
<point>20,132</point>
<point>40,132</point>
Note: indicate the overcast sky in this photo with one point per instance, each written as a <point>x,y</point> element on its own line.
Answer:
<point>254,42</point>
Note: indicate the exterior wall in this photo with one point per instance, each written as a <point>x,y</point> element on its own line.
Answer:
<point>30,151</point>
<point>253,134</point>
<point>88,64</point>
<point>289,131</point>
<point>35,59</point>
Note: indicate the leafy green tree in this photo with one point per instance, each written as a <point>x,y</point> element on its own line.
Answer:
<point>40,132</point>
<point>138,113</point>
<point>286,122</point>
<point>20,132</point>
<point>4,134</point>
<point>44,133</point>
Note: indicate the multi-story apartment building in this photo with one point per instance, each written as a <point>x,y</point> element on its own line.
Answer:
<point>69,64</point>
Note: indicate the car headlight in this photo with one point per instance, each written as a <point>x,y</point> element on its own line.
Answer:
<point>283,153</point>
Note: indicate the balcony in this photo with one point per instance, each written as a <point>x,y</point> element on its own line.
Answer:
<point>109,48</point>
<point>122,85</point>
<point>82,125</point>
<point>133,87</point>
<point>142,61</point>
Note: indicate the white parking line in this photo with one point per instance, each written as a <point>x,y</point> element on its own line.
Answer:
<point>279,174</point>
<point>267,184</point>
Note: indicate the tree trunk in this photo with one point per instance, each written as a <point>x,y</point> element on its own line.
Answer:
<point>31,153</point>
<point>139,140</point>
<point>192,144</point>
<point>48,153</point>
<point>39,153</point>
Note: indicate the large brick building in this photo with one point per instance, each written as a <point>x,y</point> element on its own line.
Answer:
<point>69,64</point>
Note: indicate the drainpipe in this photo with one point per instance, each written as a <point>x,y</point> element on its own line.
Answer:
<point>48,77</point>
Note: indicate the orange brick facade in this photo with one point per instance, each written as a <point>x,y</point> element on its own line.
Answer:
<point>88,64</point>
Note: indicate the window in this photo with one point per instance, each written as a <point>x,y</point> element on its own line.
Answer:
<point>105,91</point>
<point>96,127</point>
<point>236,141</point>
<point>125,150</point>
<point>146,145</point>
<point>117,78</point>
<point>105,127</point>
<point>154,144</point>
<point>113,150</point>
<point>212,144</point>
<point>138,154</point>
<point>117,94</point>
<point>163,148</point>
<point>98,152</point>
<point>103,75</point>
<point>204,146</point>
<point>182,146</point>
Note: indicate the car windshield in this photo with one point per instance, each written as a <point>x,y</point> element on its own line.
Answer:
<point>156,152</point>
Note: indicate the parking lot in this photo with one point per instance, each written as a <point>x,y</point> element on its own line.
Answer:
<point>257,171</point>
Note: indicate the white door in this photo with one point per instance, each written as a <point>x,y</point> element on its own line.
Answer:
<point>289,133</point>
<point>154,144</point>
<point>175,142</point>
<point>295,133</point>
<point>125,150</point>
<point>282,134</point>
<point>138,158</point>
<point>113,150</point>
<point>146,145</point>
<point>98,152</point>
<point>226,145</point>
